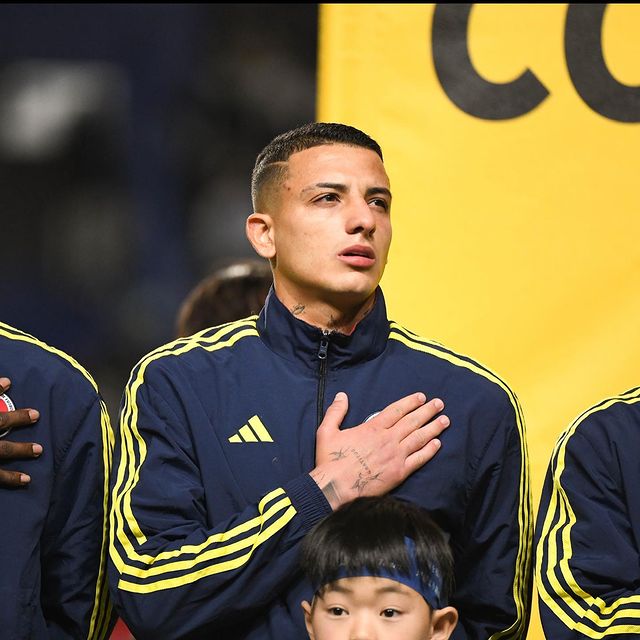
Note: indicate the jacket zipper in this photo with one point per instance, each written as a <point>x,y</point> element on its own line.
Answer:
<point>322,371</point>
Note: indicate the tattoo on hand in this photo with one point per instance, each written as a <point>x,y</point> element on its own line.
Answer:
<point>338,455</point>
<point>362,461</point>
<point>331,494</point>
<point>298,309</point>
<point>363,481</point>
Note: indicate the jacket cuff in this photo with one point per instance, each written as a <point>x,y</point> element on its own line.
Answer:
<point>308,500</point>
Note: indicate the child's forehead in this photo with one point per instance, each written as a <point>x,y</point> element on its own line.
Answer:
<point>369,585</point>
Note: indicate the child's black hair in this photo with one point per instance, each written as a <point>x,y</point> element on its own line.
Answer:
<point>370,533</point>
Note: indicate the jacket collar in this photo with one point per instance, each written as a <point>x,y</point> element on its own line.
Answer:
<point>299,341</point>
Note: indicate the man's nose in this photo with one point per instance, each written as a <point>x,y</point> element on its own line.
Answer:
<point>361,218</point>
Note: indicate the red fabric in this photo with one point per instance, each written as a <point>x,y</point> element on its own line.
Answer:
<point>120,632</point>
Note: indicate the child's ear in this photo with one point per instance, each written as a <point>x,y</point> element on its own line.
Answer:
<point>306,607</point>
<point>443,622</point>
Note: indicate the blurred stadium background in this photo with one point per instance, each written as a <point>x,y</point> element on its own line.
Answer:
<point>127,137</point>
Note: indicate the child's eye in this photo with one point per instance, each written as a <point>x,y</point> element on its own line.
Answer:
<point>390,613</point>
<point>337,611</point>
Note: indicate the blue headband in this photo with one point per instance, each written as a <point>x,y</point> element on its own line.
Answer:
<point>430,588</point>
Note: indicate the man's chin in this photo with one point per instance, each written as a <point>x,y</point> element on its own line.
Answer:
<point>353,296</point>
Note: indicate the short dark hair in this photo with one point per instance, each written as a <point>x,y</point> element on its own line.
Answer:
<point>269,163</point>
<point>230,293</point>
<point>370,533</point>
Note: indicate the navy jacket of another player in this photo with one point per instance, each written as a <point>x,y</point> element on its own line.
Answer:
<point>211,492</point>
<point>53,538</point>
<point>588,528</point>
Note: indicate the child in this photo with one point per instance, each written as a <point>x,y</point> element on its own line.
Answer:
<point>381,569</point>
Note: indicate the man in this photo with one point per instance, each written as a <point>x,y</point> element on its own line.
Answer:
<point>588,527</point>
<point>234,442</point>
<point>53,526</point>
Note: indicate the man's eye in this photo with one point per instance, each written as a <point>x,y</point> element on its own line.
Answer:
<point>337,611</point>
<point>390,613</point>
<point>328,197</point>
<point>379,202</point>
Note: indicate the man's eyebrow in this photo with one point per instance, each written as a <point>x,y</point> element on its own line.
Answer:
<point>342,188</point>
<point>336,186</point>
<point>372,191</point>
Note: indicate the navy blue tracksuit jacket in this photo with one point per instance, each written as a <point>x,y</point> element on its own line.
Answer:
<point>53,540</point>
<point>588,526</point>
<point>211,492</point>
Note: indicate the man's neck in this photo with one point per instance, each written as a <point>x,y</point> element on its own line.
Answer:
<point>326,315</point>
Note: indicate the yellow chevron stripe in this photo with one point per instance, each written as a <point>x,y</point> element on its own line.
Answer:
<point>596,609</point>
<point>211,570</point>
<point>260,429</point>
<point>15,334</point>
<point>225,536</point>
<point>255,431</point>
<point>216,552</point>
<point>247,434</point>
<point>523,558</point>
<point>101,613</point>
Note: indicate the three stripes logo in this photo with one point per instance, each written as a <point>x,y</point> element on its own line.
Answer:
<point>254,431</point>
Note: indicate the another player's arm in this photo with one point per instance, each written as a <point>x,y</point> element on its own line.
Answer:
<point>75,541</point>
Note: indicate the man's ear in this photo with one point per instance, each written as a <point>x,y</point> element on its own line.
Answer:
<point>306,607</point>
<point>259,230</point>
<point>443,622</point>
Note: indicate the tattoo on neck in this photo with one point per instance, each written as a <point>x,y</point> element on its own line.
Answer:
<point>298,309</point>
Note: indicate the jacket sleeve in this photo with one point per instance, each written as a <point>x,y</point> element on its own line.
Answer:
<point>493,557</point>
<point>75,598</point>
<point>175,569</point>
<point>587,558</point>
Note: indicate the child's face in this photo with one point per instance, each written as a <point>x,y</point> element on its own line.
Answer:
<point>370,608</point>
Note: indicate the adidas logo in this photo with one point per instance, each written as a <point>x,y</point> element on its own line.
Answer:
<point>255,431</point>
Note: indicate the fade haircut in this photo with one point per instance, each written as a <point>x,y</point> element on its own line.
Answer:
<point>370,533</point>
<point>270,167</point>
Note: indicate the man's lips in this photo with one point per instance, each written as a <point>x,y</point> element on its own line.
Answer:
<point>358,256</point>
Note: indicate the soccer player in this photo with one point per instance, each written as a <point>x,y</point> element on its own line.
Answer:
<point>588,526</point>
<point>236,441</point>
<point>53,527</point>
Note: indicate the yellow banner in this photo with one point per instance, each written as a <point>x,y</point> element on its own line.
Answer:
<point>511,136</point>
